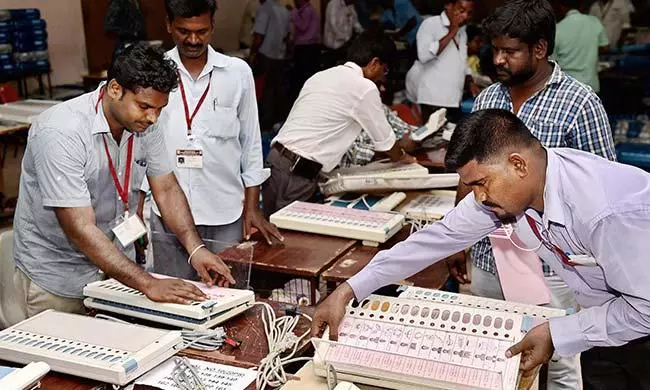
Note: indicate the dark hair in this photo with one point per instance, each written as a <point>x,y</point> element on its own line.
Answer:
<point>485,134</point>
<point>368,46</point>
<point>527,20</point>
<point>472,32</point>
<point>143,66</point>
<point>570,4</point>
<point>189,8</point>
<point>454,1</point>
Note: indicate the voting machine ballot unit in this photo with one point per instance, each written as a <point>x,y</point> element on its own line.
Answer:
<point>88,347</point>
<point>372,227</point>
<point>427,342</point>
<point>223,304</point>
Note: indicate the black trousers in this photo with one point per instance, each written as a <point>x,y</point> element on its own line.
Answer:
<point>306,64</point>
<point>617,368</point>
<point>274,100</point>
<point>453,113</point>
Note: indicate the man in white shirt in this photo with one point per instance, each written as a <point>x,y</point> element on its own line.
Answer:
<point>614,15</point>
<point>438,76</point>
<point>332,108</point>
<point>212,134</point>
<point>341,22</point>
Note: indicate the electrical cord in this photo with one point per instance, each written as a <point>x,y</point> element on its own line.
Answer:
<point>280,338</point>
<point>203,340</point>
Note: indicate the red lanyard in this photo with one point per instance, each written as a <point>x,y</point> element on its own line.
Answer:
<point>122,191</point>
<point>554,248</point>
<point>189,119</point>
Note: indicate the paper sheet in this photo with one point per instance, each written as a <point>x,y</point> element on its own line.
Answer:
<point>214,376</point>
<point>520,273</point>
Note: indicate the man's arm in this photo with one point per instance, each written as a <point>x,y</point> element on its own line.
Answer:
<point>603,41</point>
<point>78,223</point>
<point>620,247</point>
<point>369,113</point>
<point>253,173</point>
<point>176,213</point>
<point>259,32</point>
<point>460,228</point>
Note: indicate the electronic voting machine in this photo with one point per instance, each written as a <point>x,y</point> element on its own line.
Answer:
<point>428,339</point>
<point>372,227</point>
<point>88,347</point>
<point>223,304</point>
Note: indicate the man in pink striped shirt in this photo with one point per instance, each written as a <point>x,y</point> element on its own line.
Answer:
<point>306,33</point>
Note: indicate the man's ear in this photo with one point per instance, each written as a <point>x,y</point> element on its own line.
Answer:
<point>114,90</point>
<point>540,49</point>
<point>519,164</point>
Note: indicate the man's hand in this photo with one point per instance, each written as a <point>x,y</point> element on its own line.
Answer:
<point>174,291</point>
<point>254,218</point>
<point>331,311</point>
<point>457,265</point>
<point>474,89</point>
<point>208,264</point>
<point>536,348</point>
<point>408,144</point>
<point>457,20</point>
<point>408,159</point>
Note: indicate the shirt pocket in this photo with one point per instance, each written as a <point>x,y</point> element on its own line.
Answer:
<point>223,123</point>
<point>550,134</point>
<point>138,172</point>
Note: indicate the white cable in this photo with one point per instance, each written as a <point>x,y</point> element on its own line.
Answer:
<point>280,338</point>
<point>202,340</point>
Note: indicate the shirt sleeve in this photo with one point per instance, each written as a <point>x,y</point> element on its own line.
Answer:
<point>590,130</point>
<point>158,161</point>
<point>360,153</point>
<point>620,245</point>
<point>428,39</point>
<point>261,22</point>
<point>59,160</point>
<point>253,172</point>
<point>602,36</point>
<point>460,228</point>
<point>369,113</point>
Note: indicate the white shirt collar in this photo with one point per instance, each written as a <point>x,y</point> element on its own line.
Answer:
<point>445,19</point>
<point>215,60</point>
<point>354,66</point>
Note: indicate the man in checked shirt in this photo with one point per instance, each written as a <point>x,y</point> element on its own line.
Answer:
<point>559,111</point>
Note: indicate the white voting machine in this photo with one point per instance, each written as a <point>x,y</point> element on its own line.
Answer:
<point>88,347</point>
<point>408,344</point>
<point>372,227</point>
<point>223,304</point>
<point>385,176</point>
<point>25,111</point>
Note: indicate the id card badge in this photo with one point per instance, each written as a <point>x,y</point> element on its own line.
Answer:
<point>128,228</point>
<point>191,158</point>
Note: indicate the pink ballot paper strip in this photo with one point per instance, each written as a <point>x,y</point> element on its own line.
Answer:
<point>520,272</point>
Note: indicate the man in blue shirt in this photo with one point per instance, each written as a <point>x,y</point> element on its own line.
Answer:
<point>402,15</point>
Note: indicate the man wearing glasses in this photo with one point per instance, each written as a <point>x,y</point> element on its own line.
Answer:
<point>333,107</point>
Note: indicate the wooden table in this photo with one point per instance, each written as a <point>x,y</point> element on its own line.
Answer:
<point>434,276</point>
<point>247,328</point>
<point>357,257</point>
<point>302,255</point>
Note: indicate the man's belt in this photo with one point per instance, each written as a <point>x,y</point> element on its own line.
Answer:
<point>299,165</point>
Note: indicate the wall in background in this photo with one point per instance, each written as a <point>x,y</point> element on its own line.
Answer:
<point>65,30</point>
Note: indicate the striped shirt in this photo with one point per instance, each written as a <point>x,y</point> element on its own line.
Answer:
<point>565,113</point>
